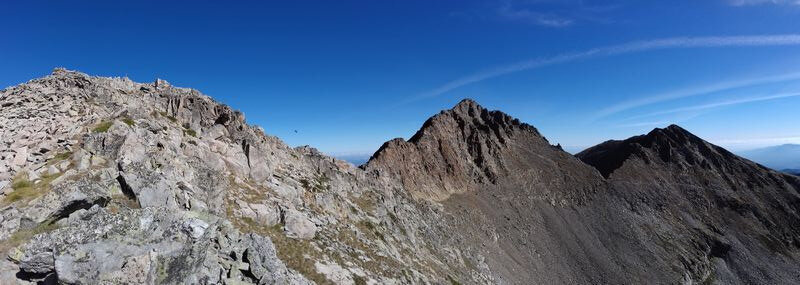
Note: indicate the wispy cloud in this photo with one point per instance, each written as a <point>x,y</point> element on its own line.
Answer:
<point>693,91</point>
<point>718,104</point>
<point>552,13</point>
<point>762,2</point>
<point>523,14</point>
<point>631,47</point>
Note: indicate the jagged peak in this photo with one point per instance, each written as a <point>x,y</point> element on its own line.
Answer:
<point>673,131</point>
<point>64,71</point>
<point>466,105</point>
<point>470,114</point>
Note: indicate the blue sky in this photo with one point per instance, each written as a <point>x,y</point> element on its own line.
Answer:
<point>349,75</point>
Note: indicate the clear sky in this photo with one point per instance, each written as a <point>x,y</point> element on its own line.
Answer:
<point>349,75</point>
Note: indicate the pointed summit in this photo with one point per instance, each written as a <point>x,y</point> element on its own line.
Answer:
<point>466,146</point>
<point>467,106</point>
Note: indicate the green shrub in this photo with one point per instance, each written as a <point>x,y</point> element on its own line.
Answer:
<point>128,121</point>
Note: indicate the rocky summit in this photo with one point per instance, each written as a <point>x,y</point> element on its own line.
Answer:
<point>109,181</point>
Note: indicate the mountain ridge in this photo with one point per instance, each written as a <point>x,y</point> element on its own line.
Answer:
<point>186,192</point>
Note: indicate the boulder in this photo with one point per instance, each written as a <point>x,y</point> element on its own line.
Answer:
<point>298,225</point>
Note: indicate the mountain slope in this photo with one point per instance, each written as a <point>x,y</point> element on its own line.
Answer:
<point>105,180</point>
<point>109,180</point>
<point>742,216</point>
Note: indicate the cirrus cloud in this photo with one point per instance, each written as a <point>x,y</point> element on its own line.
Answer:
<point>630,47</point>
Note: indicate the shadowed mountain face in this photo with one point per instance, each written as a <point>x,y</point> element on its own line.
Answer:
<point>468,147</point>
<point>725,217</point>
<point>674,208</point>
<point>105,180</point>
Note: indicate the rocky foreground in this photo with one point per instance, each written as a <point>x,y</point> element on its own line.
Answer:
<point>109,181</point>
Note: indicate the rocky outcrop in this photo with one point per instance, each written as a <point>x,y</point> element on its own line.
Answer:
<point>112,181</point>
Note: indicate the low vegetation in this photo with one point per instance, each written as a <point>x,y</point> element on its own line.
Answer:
<point>452,281</point>
<point>319,183</point>
<point>24,235</point>
<point>190,132</point>
<point>61,156</point>
<point>102,127</point>
<point>26,190</point>
<point>128,121</point>
<point>300,255</point>
<point>171,118</point>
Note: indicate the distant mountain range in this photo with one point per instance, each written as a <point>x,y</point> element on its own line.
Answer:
<point>780,157</point>
<point>355,159</point>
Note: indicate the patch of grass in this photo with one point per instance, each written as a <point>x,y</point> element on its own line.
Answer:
<point>128,121</point>
<point>188,131</point>
<point>25,190</point>
<point>370,227</point>
<point>21,182</point>
<point>452,280</point>
<point>298,254</point>
<point>22,236</point>
<point>61,156</point>
<point>22,187</point>
<point>319,183</point>
<point>102,127</point>
<point>171,118</point>
<point>365,202</point>
<point>359,249</point>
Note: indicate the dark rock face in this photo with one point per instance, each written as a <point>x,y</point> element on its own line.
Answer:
<point>468,147</point>
<point>672,209</point>
<point>734,220</point>
<point>671,145</point>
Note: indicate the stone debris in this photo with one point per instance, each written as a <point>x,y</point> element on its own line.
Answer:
<point>143,183</point>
